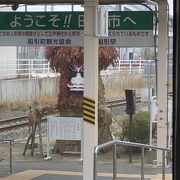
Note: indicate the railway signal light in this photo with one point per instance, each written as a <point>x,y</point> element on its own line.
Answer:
<point>130,101</point>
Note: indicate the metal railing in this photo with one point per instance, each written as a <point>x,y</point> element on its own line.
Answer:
<point>13,68</point>
<point>114,143</point>
<point>127,66</point>
<point>10,142</point>
<point>24,67</point>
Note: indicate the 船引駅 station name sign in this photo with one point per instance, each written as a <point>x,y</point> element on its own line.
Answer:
<point>125,29</point>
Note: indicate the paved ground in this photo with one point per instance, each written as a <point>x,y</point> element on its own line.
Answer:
<point>69,168</point>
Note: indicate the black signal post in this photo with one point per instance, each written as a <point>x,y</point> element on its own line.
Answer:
<point>130,109</point>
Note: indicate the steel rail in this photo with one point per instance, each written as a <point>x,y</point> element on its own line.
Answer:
<point>20,118</point>
<point>120,102</point>
<point>7,125</point>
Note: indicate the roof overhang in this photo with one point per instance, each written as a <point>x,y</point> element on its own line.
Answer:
<point>71,1</point>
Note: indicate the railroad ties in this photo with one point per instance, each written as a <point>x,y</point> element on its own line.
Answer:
<point>120,102</point>
<point>13,123</point>
<point>8,124</point>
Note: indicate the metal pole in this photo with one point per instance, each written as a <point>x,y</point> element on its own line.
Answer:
<point>130,138</point>
<point>140,62</point>
<point>163,165</point>
<point>114,162</point>
<point>150,137</point>
<point>149,101</point>
<point>155,55</point>
<point>149,85</point>
<point>90,85</point>
<point>29,67</point>
<point>130,66</point>
<point>48,67</point>
<point>119,65</point>
<point>95,166</point>
<point>142,163</point>
<point>48,126</point>
<point>82,138</point>
<point>52,7</point>
<point>162,78</point>
<point>25,7</point>
<point>10,151</point>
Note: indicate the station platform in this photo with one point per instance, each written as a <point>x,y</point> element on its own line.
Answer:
<point>70,167</point>
<point>47,170</point>
<point>67,175</point>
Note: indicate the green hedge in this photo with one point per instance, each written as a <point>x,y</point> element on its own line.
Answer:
<point>140,128</point>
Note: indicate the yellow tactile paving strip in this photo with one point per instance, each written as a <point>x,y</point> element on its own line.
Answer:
<point>159,177</point>
<point>30,174</point>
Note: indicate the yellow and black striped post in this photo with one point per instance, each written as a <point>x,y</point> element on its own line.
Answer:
<point>89,110</point>
<point>91,74</point>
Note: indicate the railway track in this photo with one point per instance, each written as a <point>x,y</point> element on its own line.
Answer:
<point>13,123</point>
<point>8,124</point>
<point>120,102</point>
<point>22,121</point>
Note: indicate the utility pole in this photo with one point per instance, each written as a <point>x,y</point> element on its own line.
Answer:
<point>90,87</point>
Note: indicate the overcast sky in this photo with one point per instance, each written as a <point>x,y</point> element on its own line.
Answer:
<point>68,8</point>
<point>170,6</point>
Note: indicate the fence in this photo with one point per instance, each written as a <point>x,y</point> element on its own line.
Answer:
<point>114,143</point>
<point>14,68</point>
<point>34,67</point>
<point>27,89</point>
<point>126,66</point>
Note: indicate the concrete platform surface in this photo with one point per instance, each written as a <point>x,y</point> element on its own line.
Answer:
<point>67,175</point>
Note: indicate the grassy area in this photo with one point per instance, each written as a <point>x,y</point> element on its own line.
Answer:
<point>115,85</point>
<point>15,106</point>
<point>23,105</point>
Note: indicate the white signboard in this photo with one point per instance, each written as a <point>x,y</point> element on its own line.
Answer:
<point>146,93</point>
<point>64,128</point>
<point>121,38</point>
<point>153,109</point>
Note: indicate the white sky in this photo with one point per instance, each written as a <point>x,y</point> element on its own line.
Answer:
<point>68,8</point>
<point>170,6</point>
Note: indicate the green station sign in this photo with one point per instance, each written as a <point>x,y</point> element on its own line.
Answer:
<point>130,20</point>
<point>126,29</point>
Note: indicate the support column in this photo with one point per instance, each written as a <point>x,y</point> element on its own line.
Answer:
<point>162,78</point>
<point>90,107</point>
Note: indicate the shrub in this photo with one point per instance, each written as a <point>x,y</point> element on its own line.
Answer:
<point>140,128</point>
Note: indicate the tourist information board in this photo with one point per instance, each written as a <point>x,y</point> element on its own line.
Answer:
<point>64,128</point>
<point>126,29</point>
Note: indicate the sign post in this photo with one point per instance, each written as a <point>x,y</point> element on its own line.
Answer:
<point>90,105</point>
<point>162,79</point>
<point>64,128</point>
<point>153,116</point>
<point>130,109</point>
